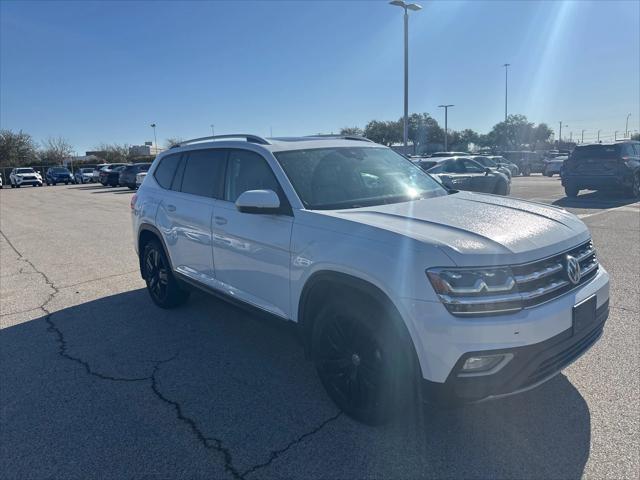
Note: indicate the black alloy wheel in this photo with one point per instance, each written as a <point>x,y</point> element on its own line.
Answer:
<point>161,284</point>
<point>361,363</point>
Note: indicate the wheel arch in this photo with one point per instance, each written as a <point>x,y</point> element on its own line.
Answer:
<point>322,282</point>
<point>148,232</point>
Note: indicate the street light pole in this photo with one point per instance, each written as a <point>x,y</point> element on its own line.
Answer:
<point>446,125</point>
<point>615,136</point>
<point>506,83</point>
<point>560,135</point>
<point>598,136</point>
<point>626,128</point>
<point>582,139</point>
<point>155,139</point>
<point>406,7</point>
<point>213,132</point>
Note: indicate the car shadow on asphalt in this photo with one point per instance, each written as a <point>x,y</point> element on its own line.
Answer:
<point>595,200</point>
<point>117,387</point>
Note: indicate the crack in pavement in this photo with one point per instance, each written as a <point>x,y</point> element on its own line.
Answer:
<point>212,444</point>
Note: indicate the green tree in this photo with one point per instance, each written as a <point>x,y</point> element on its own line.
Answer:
<point>352,131</point>
<point>423,129</point>
<point>16,149</point>
<point>515,132</point>
<point>385,133</point>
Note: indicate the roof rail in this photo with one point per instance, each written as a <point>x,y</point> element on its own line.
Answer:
<point>248,137</point>
<point>344,137</point>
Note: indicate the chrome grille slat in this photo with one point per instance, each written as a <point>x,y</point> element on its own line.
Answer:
<point>537,275</point>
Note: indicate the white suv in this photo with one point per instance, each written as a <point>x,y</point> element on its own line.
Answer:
<point>24,176</point>
<point>394,282</point>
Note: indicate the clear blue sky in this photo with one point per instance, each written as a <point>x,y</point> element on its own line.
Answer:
<point>102,72</point>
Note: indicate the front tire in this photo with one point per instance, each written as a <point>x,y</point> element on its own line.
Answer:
<point>161,283</point>
<point>501,189</point>
<point>361,361</point>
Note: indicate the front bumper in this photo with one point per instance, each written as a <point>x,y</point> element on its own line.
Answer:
<point>531,366</point>
<point>443,342</point>
<point>28,182</point>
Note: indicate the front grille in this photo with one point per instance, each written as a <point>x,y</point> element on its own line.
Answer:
<point>27,178</point>
<point>561,359</point>
<point>544,280</point>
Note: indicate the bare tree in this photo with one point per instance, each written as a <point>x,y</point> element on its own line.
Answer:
<point>113,152</point>
<point>16,149</point>
<point>171,141</point>
<point>55,150</point>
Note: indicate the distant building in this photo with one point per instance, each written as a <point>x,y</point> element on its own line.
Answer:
<point>148,149</point>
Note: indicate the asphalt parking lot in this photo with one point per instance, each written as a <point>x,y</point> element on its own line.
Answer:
<point>97,382</point>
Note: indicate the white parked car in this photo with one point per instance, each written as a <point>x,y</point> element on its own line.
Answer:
<point>24,176</point>
<point>553,166</point>
<point>84,175</point>
<point>140,178</point>
<point>397,285</point>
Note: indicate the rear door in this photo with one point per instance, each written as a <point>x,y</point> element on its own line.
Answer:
<point>455,174</point>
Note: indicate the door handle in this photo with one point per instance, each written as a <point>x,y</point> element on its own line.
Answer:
<point>220,220</point>
<point>171,208</point>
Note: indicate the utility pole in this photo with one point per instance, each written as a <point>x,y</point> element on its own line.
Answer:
<point>626,128</point>
<point>582,139</point>
<point>414,7</point>
<point>446,126</point>
<point>560,135</point>
<point>615,136</point>
<point>598,136</point>
<point>571,137</point>
<point>506,83</point>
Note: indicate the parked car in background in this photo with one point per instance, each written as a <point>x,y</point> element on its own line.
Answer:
<point>603,166</point>
<point>463,173</point>
<point>527,162</point>
<point>553,166</point>
<point>24,176</point>
<point>449,154</point>
<point>490,163</point>
<point>129,172</point>
<point>0,181</point>
<point>110,175</point>
<point>55,175</point>
<point>83,175</point>
<point>96,172</point>
<point>500,160</point>
<point>140,178</point>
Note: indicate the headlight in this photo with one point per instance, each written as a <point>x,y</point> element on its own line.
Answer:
<point>476,291</point>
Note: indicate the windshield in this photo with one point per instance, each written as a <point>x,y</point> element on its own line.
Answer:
<point>25,170</point>
<point>351,177</point>
<point>86,170</point>
<point>59,170</point>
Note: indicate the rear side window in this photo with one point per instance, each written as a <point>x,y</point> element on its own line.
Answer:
<point>204,173</point>
<point>248,171</point>
<point>166,170</point>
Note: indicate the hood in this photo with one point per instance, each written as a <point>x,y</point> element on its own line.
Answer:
<point>477,229</point>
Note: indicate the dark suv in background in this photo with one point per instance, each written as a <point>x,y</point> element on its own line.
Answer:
<point>603,166</point>
<point>129,172</point>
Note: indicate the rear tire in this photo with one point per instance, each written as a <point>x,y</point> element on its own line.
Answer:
<point>571,191</point>
<point>361,361</point>
<point>634,191</point>
<point>161,283</point>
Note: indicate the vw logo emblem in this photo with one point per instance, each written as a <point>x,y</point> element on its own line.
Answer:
<point>573,270</point>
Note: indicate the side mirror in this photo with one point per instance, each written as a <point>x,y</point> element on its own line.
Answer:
<point>487,171</point>
<point>258,201</point>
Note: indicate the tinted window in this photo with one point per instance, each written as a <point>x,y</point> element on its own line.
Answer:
<point>472,167</point>
<point>204,173</point>
<point>165,171</point>
<point>248,171</point>
<point>453,166</point>
<point>606,152</point>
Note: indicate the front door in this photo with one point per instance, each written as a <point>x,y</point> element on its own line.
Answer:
<point>252,251</point>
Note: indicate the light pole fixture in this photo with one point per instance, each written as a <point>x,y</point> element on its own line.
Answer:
<point>506,83</point>
<point>446,125</point>
<point>155,139</point>
<point>626,127</point>
<point>414,7</point>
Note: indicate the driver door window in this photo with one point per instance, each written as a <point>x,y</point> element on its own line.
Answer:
<point>248,171</point>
